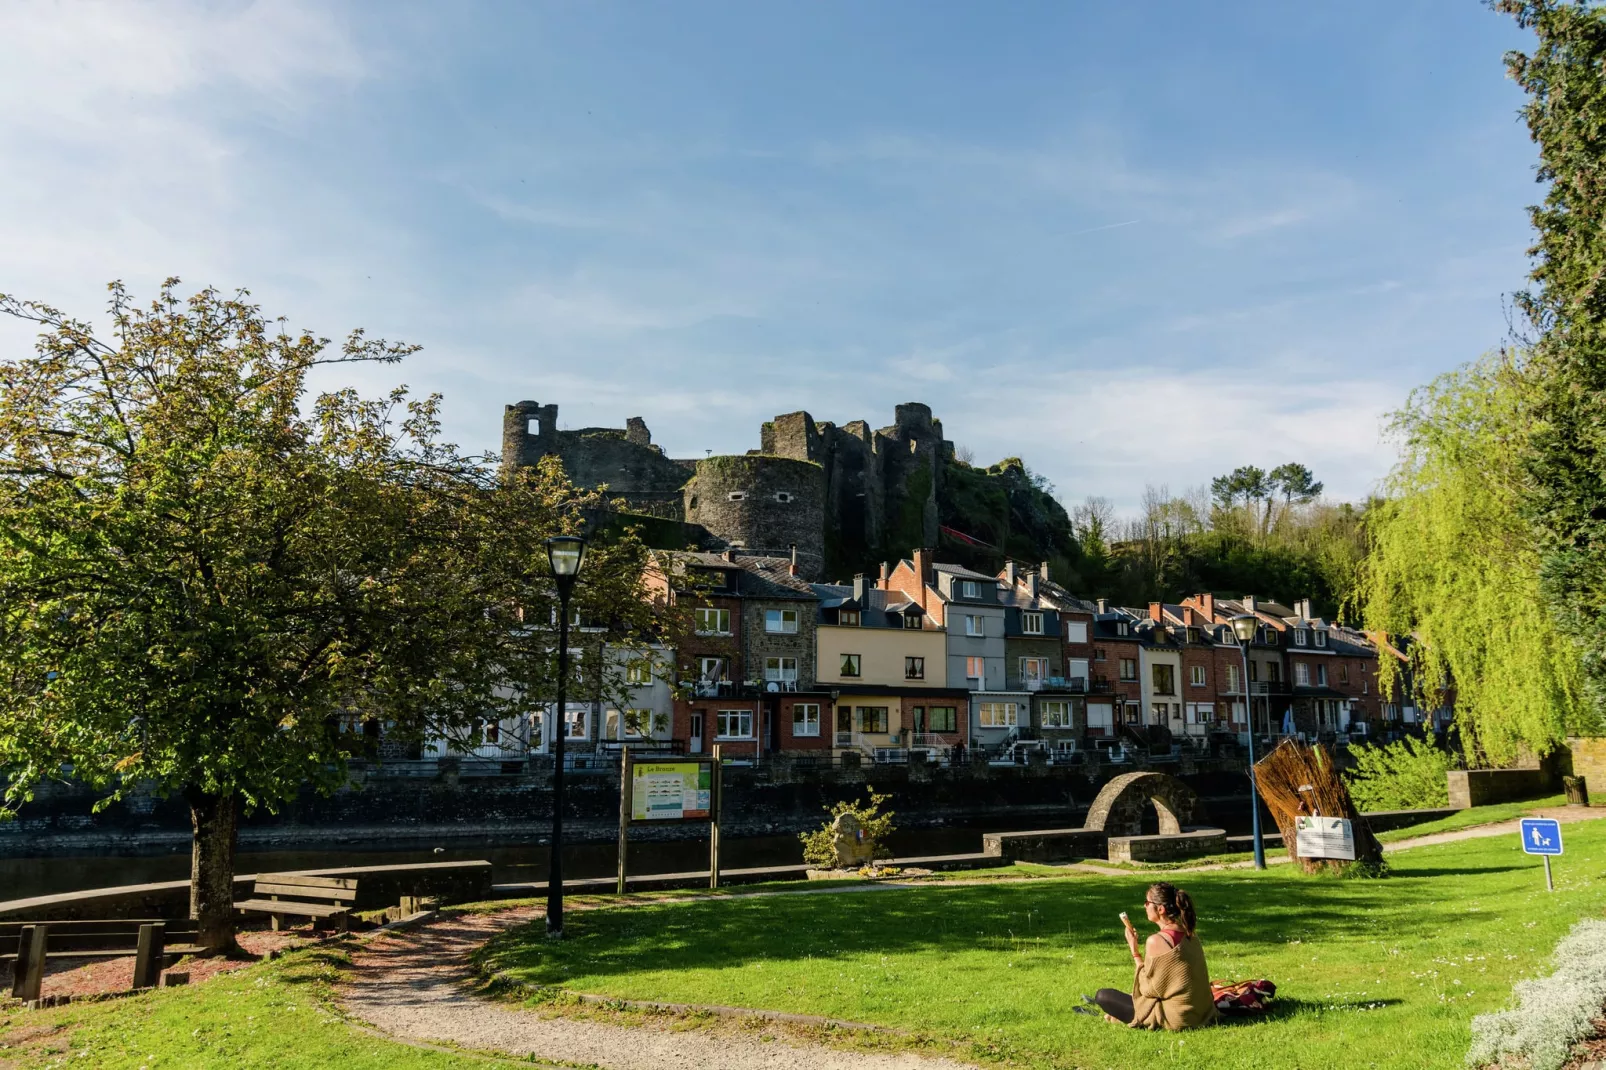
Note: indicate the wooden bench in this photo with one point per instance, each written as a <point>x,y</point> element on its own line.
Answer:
<point>152,942</point>
<point>281,895</point>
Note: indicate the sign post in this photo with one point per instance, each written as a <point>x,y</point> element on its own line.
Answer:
<point>713,821</point>
<point>1542,836</point>
<point>624,811</point>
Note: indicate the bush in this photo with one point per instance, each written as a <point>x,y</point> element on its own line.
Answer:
<point>1408,775</point>
<point>1553,1013</point>
<point>818,848</point>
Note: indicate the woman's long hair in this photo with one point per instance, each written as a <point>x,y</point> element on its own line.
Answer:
<point>1174,903</point>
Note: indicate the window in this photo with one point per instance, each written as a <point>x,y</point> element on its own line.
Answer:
<point>1302,674</point>
<point>1196,675</point>
<point>780,670</point>
<point>737,496</point>
<point>1100,719</point>
<point>1343,674</point>
<point>576,724</point>
<point>848,618</point>
<point>1033,670</point>
<point>1031,623</point>
<point>850,664</point>
<point>1120,627</point>
<point>1233,682</point>
<point>969,589</point>
<point>942,719</point>
<point>1129,669</point>
<point>1254,671</point>
<point>783,496</point>
<point>916,621</point>
<point>996,715</point>
<point>1056,714</point>
<point>1100,654</point>
<point>780,621</point>
<point>711,669</point>
<point>1165,679</point>
<point>1321,638</point>
<point>636,723</point>
<point>713,621</point>
<point>975,668</point>
<point>733,724</point>
<point>844,724</point>
<point>872,718</point>
<point>974,625</point>
<point>806,719</point>
<point>638,673</point>
<point>1159,713</point>
<point>1274,671</point>
<point>914,668</point>
<point>1076,631</point>
<point>1301,637</point>
<point>1321,675</point>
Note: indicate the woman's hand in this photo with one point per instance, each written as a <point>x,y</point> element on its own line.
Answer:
<point>1132,942</point>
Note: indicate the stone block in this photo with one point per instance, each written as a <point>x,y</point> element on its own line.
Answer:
<point>1167,848</point>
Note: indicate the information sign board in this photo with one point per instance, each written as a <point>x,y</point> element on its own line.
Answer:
<point>1325,837</point>
<point>671,791</point>
<point>1541,836</point>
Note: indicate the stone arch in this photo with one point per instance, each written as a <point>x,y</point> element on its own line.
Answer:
<point>1119,808</point>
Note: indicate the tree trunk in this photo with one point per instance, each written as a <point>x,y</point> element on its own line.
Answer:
<point>213,818</point>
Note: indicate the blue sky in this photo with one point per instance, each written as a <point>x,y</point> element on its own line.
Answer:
<point>1133,244</point>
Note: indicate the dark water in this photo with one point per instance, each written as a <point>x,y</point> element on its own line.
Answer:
<point>24,877</point>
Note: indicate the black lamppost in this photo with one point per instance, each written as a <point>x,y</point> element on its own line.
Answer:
<point>566,554</point>
<point>1244,627</point>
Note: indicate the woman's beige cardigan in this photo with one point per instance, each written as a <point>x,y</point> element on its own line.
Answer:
<point>1172,990</point>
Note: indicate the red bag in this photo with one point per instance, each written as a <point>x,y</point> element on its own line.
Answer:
<point>1242,997</point>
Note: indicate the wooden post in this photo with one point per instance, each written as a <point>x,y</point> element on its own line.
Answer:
<point>149,955</point>
<point>28,975</point>
<point>713,825</point>
<point>624,811</point>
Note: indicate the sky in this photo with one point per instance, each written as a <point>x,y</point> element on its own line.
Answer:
<point>1132,244</point>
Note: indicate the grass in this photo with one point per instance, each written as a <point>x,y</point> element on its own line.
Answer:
<point>1371,973</point>
<point>1478,815</point>
<point>276,1016</point>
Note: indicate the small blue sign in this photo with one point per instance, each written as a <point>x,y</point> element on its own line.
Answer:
<point>1541,836</point>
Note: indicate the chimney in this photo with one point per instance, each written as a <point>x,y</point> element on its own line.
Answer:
<point>730,555</point>
<point>886,574</point>
<point>922,563</point>
<point>1104,605</point>
<point>1157,612</point>
<point>792,570</point>
<point>1249,604</point>
<point>1302,609</point>
<point>1031,584</point>
<point>1009,574</point>
<point>861,589</point>
<point>1188,617</point>
<point>1207,606</point>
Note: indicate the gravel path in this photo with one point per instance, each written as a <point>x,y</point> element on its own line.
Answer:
<point>413,986</point>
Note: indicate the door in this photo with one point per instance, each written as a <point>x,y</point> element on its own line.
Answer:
<point>696,745</point>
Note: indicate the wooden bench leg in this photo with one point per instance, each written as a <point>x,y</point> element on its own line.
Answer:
<point>276,921</point>
<point>28,974</point>
<point>148,955</point>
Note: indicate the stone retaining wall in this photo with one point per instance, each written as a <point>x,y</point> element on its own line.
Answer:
<point>1169,848</point>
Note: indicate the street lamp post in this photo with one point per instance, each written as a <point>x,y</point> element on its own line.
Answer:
<point>566,553</point>
<point>1244,627</point>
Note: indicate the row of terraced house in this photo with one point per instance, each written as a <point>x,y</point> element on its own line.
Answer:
<point>929,656</point>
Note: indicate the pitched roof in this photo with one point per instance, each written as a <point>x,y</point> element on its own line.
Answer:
<point>763,577</point>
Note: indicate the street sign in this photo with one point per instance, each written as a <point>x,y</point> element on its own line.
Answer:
<point>1541,836</point>
<point>1324,837</point>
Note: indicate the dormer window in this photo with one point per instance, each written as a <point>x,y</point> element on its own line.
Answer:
<point>1321,638</point>
<point>848,618</point>
<point>1120,627</point>
<point>914,621</point>
<point>1031,623</point>
<point>969,589</point>
<point>1301,637</point>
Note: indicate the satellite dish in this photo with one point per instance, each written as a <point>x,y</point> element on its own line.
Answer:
<point>772,686</point>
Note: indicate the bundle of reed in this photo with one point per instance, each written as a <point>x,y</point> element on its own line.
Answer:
<point>1299,781</point>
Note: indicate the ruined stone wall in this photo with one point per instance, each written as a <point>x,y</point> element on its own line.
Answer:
<point>763,504</point>
<point>623,459</point>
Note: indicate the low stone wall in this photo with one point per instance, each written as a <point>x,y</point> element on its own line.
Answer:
<point>1044,845</point>
<point>1167,848</point>
<point>378,886</point>
<point>1387,820</point>
<point>1481,787</point>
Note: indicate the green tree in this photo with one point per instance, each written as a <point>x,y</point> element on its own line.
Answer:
<point>1295,483</point>
<point>1407,775</point>
<point>1454,564</point>
<point>1566,114</point>
<point>209,588</point>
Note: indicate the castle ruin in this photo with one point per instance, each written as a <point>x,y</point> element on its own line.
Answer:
<point>841,498</point>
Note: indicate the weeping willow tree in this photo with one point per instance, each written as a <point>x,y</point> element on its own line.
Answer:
<point>1454,564</point>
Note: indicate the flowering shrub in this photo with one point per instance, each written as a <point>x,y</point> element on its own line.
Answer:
<point>1553,1013</point>
<point>1408,775</point>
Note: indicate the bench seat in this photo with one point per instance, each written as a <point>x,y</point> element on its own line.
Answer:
<point>291,906</point>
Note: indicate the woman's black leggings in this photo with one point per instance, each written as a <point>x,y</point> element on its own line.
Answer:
<point>1117,1005</point>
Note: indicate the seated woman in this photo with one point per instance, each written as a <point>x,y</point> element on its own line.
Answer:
<point>1172,987</point>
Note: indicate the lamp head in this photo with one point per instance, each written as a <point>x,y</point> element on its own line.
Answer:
<point>1244,626</point>
<point>566,553</point>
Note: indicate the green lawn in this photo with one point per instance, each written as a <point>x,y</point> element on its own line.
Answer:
<point>1372,973</point>
<point>1478,815</point>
